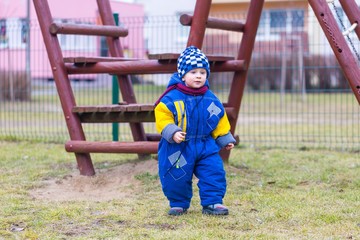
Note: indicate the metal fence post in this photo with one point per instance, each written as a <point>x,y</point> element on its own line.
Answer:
<point>115,92</point>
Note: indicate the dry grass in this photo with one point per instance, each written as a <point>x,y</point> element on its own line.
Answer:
<point>272,194</point>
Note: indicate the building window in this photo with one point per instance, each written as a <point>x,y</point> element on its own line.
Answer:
<point>3,35</point>
<point>275,21</point>
<point>297,18</point>
<point>24,31</point>
<point>184,31</point>
<point>13,33</point>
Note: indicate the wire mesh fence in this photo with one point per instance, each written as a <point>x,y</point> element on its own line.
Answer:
<point>296,94</point>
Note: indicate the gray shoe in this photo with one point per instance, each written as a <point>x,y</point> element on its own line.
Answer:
<point>177,211</point>
<point>215,209</point>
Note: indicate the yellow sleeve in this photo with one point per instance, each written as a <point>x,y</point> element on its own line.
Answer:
<point>163,117</point>
<point>222,128</point>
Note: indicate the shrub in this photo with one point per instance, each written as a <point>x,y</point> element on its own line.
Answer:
<point>14,86</point>
<point>319,71</point>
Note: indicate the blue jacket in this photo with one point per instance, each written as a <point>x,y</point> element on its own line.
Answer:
<point>198,116</point>
<point>203,118</point>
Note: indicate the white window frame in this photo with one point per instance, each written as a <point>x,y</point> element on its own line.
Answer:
<point>13,33</point>
<point>4,39</point>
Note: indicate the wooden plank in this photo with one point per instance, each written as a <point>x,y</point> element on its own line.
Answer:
<point>217,58</point>
<point>128,108</point>
<point>92,60</point>
<point>231,113</point>
<point>338,43</point>
<point>143,147</point>
<point>174,57</point>
<point>116,50</point>
<point>88,29</point>
<point>63,84</point>
<point>216,23</point>
<point>114,108</point>
<point>153,137</point>
<point>132,113</point>
<point>148,67</point>
<point>117,117</point>
<point>147,107</point>
<point>125,108</point>
<point>164,56</point>
<point>133,107</point>
<point>352,12</point>
<point>85,109</point>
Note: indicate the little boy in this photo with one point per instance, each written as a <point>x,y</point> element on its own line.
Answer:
<point>194,127</point>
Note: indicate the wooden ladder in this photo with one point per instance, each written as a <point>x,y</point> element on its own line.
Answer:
<point>337,41</point>
<point>132,112</point>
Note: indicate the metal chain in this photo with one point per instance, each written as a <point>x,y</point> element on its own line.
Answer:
<point>343,26</point>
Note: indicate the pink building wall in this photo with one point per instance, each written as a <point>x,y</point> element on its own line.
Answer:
<point>13,57</point>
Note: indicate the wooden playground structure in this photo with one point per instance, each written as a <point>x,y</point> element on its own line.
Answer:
<point>135,114</point>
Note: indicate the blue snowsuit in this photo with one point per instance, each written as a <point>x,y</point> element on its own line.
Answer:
<point>207,128</point>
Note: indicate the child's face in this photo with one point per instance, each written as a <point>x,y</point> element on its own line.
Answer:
<point>195,78</point>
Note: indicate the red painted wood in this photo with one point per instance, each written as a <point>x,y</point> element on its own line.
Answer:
<point>124,113</point>
<point>147,67</point>
<point>118,65</point>
<point>215,23</point>
<point>115,49</point>
<point>174,56</point>
<point>142,147</point>
<point>62,83</point>
<point>114,108</point>
<point>338,44</point>
<point>198,26</point>
<point>352,10</point>
<point>87,29</point>
<point>244,53</point>
<point>92,60</point>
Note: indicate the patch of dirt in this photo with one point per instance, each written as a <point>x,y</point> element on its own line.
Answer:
<point>115,183</point>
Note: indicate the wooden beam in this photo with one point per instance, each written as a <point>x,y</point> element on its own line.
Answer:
<point>87,29</point>
<point>63,85</point>
<point>142,147</point>
<point>215,23</point>
<point>147,67</point>
<point>92,60</point>
<point>338,44</point>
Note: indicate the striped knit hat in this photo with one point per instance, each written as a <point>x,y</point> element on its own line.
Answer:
<point>192,58</point>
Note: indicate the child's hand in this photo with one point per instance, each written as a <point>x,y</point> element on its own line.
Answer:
<point>229,146</point>
<point>179,136</point>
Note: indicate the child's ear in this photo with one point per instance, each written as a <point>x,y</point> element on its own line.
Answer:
<point>183,79</point>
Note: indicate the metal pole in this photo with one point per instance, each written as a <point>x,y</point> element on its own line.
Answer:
<point>115,92</point>
<point>28,66</point>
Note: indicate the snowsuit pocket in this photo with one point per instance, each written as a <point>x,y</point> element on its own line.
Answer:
<point>177,161</point>
<point>177,172</point>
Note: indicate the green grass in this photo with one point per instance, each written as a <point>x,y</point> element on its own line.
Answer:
<point>272,194</point>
